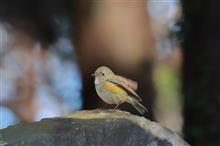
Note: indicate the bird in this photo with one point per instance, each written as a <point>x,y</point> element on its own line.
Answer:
<point>116,89</point>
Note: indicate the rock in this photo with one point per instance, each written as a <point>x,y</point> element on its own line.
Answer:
<point>91,128</point>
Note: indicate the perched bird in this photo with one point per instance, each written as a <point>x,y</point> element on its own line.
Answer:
<point>115,89</point>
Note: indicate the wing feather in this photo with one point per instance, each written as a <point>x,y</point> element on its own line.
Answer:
<point>127,84</point>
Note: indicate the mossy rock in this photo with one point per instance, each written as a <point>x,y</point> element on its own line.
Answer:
<point>91,128</point>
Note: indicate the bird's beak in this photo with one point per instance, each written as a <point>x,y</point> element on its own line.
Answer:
<point>93,75</point>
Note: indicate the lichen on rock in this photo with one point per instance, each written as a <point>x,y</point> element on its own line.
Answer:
<point>92,128</point>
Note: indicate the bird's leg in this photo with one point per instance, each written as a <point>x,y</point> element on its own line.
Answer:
<point>116,106</point>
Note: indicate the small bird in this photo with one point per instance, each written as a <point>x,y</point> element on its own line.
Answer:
<point>115,89</point>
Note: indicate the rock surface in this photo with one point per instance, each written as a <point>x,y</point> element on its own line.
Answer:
<point>91,128</point>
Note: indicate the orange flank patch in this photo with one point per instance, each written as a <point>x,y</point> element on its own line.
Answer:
<point>115,89</point>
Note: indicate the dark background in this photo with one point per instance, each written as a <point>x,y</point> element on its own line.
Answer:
<point>120,35</point>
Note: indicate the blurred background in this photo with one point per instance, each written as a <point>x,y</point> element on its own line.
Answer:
<point>50,48</point>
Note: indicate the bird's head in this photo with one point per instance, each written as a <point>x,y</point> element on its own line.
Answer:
<point>103,73</point>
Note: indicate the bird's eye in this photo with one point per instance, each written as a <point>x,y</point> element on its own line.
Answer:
<point>103,74</point>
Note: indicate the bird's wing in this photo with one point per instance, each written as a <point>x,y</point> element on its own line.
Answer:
<point>114,88</point>
<point>126,85</point>
<point>128,82</point>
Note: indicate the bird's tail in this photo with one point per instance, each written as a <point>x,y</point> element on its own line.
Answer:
<point>139,107</point>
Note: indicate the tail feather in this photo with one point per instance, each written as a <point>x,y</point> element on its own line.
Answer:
<point>139,107</point>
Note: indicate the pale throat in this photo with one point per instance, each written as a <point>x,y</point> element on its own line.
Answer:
<point>97,81</point>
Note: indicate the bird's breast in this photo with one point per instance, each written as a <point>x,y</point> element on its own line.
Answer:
<point>111,93</point>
